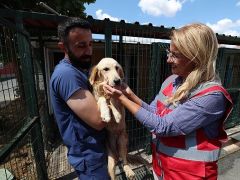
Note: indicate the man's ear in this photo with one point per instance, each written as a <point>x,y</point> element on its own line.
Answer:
<point>61,46</point>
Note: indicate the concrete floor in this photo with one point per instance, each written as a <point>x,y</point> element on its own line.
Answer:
<point>229,167</point>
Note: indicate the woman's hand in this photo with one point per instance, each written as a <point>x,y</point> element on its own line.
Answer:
<point>118,92</point>
<point>126,90</point>
<point>113,92</point>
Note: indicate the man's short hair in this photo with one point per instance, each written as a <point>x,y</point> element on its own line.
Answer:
<point>70,23</point>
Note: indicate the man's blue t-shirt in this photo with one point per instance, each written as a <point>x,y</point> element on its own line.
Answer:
<point>86,146</point>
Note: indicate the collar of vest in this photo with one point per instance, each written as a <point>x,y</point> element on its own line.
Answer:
<point>202,89</point>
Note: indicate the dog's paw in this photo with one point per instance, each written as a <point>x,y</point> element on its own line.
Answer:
<point>105,117</point>
<point>129,172</point>
<point>105,113</point>
<point>117,117</point>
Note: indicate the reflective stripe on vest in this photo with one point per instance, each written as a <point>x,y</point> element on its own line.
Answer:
<point>190,152</point>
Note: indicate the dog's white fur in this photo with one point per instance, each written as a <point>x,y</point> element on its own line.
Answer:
<point>110,71</point>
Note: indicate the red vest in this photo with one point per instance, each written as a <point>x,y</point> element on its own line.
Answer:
<point>192,156</point>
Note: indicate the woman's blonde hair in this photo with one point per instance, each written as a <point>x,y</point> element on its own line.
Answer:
<point>198,43</point>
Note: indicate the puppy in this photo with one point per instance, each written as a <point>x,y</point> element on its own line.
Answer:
<point>110,71</point>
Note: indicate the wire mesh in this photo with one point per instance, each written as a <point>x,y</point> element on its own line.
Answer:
<point>21,162</point>
<point>12,103</point>
<point>49,128</point>
<point>136,55</point>
<point>143,59</point>
<point>142,173</point>
<point>228,66</point>
<point>23,158</point>
<point>58,166</point>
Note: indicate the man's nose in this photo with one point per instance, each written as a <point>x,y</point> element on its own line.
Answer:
<point>88,50</point>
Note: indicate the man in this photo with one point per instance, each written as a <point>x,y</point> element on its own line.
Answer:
<point>74,106</point>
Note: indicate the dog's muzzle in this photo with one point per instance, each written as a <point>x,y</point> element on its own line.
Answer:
<point>117,82</point>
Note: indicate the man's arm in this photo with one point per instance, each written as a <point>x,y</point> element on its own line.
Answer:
<point>84,105</point>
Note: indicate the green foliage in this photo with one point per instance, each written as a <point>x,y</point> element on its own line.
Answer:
<point>64,7</point>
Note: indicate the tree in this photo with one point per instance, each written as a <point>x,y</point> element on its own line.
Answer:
<point>64,7</point>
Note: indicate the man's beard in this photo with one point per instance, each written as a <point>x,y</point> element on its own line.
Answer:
<point>83,62</point>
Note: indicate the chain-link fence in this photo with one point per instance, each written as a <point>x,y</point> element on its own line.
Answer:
<point>228,66</point>
<point>21,146</point>
<point>29,145</point>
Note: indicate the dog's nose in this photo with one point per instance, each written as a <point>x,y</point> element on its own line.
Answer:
<point>117,81</point>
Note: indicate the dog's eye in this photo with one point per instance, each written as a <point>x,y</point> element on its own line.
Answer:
<point>106,69</point>
<point>117,67</point>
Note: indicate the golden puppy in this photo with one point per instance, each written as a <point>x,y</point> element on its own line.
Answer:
<point>110,71</point>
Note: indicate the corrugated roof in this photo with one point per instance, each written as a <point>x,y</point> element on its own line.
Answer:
<point>47,24</point>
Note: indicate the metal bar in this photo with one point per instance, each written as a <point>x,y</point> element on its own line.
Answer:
<point>160,32</point>
<point>38,149</point>
<point>31,99</point>
<point>42,4</point>
<point>121,50</point>
<point>8,148</point>
<point>10,25</point>
<point>9,13</point>
<point>108,39</point>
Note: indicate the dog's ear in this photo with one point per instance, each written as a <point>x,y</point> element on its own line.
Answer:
<point>93,75</point>
<point>121,73</point>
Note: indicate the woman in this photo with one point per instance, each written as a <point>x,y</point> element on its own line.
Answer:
<point>186,117</point>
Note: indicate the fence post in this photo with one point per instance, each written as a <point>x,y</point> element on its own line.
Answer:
<point>27,71</point>
<point>108,38</point>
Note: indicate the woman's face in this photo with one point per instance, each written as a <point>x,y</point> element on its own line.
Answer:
<point>180,65</point>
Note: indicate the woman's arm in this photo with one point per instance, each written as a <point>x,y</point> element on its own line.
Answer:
<point>131,101</point>
<point>202,112</point>
<point>126,90</point>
